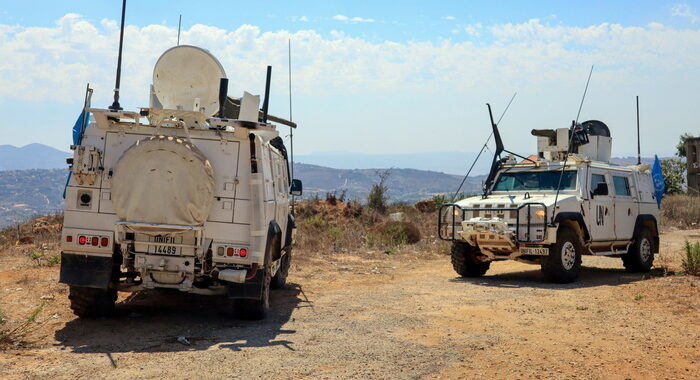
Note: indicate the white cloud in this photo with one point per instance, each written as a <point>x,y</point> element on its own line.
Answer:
<point>473,30</point>
<point>54,63</point>
<point>450,18</point>
<point>303,19</point>
<point>684,10</point>
<point>353,20</point>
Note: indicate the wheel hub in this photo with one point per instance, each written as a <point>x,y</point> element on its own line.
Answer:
<point>644,250</point>
<point>568,255</point>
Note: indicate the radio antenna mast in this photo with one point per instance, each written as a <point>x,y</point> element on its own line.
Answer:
<point>571,143</point>
<point>179,24</point>
<point>639,150</point>
<point>291,130</point>
<point>115,106</point>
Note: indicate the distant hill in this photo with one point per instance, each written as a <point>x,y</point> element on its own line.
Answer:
<point>405,185</point>
<point>32,156</point>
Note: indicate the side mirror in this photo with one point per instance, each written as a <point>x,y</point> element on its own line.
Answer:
<point>296,188</point>
<point>601,189</point>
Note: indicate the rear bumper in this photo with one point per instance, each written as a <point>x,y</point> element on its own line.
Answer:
<point>84,270</point>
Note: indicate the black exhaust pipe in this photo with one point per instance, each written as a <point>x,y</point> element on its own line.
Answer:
<point>267,94</point>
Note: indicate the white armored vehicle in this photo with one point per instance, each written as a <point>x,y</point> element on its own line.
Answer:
<point>191,193</point>
<point>552,208</point>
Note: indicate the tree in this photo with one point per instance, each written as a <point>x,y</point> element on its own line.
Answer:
<point>674,175</point>
<point>680,147</point>
<point>377,198</point>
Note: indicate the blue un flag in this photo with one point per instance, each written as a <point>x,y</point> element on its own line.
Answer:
<point>658,176</point>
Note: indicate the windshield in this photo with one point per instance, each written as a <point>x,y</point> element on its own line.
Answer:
<point>533,181</point>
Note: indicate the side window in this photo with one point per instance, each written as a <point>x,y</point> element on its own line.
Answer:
<point>595,180</point>
<point>622,186</point>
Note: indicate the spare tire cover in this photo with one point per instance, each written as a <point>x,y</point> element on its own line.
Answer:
<point>164,180</point>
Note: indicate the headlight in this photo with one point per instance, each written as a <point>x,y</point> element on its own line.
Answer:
<point>540,214</point>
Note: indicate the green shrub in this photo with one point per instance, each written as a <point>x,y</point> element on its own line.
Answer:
<point>334,233</point>
<point>393,233</point>
<point>377,199</point>
<point>691,261</point>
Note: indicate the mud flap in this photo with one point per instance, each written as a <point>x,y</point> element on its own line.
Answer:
<point>87,271</point>
<point>253,288</point>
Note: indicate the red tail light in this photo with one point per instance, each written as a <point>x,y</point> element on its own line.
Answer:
<point>82,240</point>
<point>243,252</point>
<point>229,251</point>
<point>69,239</point>
<point>95,240</point>
<point>104,242</point>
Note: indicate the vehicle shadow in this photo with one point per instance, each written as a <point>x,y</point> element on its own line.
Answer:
<point>588,277</point>
<point>158,321</point>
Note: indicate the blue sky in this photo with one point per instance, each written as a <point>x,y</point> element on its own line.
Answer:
<point>414,73</point>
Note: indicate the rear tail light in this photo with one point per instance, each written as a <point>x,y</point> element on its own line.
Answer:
<point>104,242</point>
<point>69,239</point>
<point>95,240</point>
<point>82,240</point>
<point>243,252</point>
<point>229,251</point>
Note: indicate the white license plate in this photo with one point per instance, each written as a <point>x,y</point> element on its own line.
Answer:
<point>537,251</point>
<point>163,245</point>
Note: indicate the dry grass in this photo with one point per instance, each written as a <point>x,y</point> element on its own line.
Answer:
<point>338,227</point>
<point>44,229</point>
<point>16,334</point>
<point>680,211</point>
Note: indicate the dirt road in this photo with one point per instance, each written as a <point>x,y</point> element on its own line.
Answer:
<point>373,315</point>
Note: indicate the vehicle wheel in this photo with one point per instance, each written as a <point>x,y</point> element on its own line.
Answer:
<point>255,309</point>
<point>640,256</point>
<point>465,261</point>
<point>280,279</point>
<point>564,261</point>
<point>91,302</point>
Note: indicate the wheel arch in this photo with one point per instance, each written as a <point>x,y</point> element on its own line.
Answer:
<point>573,220</point>
<point>648,221</point>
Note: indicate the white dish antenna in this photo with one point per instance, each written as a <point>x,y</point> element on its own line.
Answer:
<point>187,78</point>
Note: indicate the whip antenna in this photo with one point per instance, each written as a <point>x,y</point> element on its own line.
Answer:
<point>639,150</point>
<point>291,130</point>
<point>571,143</point>
<point>179,24</point>
<point>115,106</point>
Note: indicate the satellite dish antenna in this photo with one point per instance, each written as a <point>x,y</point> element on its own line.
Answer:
<point>187,78</point>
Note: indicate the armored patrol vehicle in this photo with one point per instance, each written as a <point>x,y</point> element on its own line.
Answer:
<point>191,193</point>
<point>553,207</point>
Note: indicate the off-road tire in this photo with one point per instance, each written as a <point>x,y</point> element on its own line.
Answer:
<point>255,309</point>
<point>563,264</point>
<point>465,260</point>
<point>279,280</point>
<point>640,256</point>
<point>91,302</point>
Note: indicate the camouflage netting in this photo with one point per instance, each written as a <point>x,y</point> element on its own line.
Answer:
<point>163,180</point>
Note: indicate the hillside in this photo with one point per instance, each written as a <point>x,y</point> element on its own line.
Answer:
<point>24,193</point>
<point>32,156</point>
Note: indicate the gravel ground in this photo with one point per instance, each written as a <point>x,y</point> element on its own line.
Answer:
<point>371,315</point>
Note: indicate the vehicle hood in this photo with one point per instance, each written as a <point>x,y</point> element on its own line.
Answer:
<point>515,200</point>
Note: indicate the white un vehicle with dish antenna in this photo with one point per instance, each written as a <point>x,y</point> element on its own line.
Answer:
<point>551,209</point>
<point>191,193</point>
